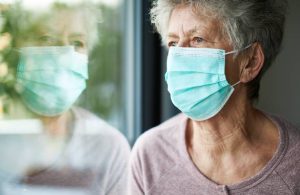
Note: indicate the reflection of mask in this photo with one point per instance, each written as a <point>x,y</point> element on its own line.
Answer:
<point>51,78</point>
<point>197,82</point>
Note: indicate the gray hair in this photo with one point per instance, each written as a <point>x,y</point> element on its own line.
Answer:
<point>244,22</point>
<point>91,16</point>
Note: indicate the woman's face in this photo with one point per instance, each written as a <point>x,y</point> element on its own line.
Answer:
<point>61,28</point>
<point>186,29</point>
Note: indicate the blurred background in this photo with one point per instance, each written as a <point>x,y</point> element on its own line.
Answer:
<point>37,161</point>
<point>280,91</point>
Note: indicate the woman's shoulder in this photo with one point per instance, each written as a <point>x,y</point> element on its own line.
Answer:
<point>89,126</point>
<point>157,151</point>
<point>289,166</point>
<point>291,131</point>
<point>91,121</point>
<point>162,135</point>
<point>290,134</point>
<point>160,146</point>
<point>98,146</point>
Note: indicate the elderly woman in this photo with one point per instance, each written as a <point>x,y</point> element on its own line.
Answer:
<point>221,144</point>
<point>76,152</point>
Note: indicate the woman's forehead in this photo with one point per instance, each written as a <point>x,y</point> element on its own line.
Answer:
<point>68,22</point>
<point>184,20</point>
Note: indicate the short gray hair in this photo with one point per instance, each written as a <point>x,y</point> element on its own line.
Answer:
<point>91,16</point>
<point>31,20</point>
<point>244,21</point>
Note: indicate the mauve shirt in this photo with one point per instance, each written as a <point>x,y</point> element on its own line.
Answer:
<point>160,165</point>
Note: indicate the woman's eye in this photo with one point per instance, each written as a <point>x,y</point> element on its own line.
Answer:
<point>198,40</point>
<point>78,44</point>
<point>172,44</point>
<point>46,39</point>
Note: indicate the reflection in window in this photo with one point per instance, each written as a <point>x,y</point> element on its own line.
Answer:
<point>60,68</point>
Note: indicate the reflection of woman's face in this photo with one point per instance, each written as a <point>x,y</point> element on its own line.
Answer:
<point>60,29</point>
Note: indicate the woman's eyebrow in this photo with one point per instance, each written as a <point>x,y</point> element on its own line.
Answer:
<point>197,29</point>
<point>172,35</point>
<point>77,35</point>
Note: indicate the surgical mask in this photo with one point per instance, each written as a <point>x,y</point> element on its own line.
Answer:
<point>50,79</point>
<point>197,82</point>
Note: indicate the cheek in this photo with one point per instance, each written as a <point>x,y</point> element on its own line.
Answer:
<point>82,50</point>
<point>232,70</point>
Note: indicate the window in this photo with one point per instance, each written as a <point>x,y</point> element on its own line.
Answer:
<point>59,111</point>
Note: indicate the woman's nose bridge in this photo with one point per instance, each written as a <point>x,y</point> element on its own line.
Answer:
<point>183,42</point>
<point>183,38</point>
<point>63,39</point>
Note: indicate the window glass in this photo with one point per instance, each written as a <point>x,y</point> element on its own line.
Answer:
<point>61,92</point>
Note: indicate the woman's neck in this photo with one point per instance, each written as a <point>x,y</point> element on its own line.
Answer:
<point>57,126</point>
<point>239,136</point>
<point>225,131</point>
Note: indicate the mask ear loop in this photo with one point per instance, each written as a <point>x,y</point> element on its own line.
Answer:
<point>235,51</point>
<point>240,76</point>
<point>236,84</point>
<point>238,50</point>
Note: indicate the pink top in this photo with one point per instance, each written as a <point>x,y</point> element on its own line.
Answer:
<point>160,165</point>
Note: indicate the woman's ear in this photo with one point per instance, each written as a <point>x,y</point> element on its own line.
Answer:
<point>255,62</point>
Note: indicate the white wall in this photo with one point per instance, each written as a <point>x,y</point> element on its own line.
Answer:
<point>280,87</point>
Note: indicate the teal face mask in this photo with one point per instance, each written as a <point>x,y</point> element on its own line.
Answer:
<point>197,82</point>
<point>50,79</point>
